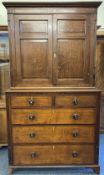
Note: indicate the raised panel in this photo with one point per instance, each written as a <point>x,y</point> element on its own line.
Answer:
<point>35,60</point>
<point>33,26</point>
<point>71,61</point>
<point>71,26</point>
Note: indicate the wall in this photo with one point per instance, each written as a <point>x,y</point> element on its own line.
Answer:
<point>3,12</point>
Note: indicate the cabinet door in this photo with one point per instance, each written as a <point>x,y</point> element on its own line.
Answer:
<point>33,58</point>
<point>72,50</point>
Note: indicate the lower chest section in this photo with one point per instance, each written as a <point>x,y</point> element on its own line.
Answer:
<point>53,128</point>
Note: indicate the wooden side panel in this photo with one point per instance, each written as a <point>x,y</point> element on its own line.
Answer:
<point>102,115</point>
<point>4,77</point>
<point>100,63</point>
<point>99,74</point>
<point>3,127</point>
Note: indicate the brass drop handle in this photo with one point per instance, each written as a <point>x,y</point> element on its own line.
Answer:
<point>32,135</point>
<point>31,101</point>
<point>75,101</point>
<point>75,133</point>
<point>75,154</point>
<point>33,154</point>
<point>31,117</point>
<point>75,116</point>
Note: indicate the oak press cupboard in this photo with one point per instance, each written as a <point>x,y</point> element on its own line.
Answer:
<point>53,107</point>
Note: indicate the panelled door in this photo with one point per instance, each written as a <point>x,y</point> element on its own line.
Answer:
<point>71,50</point>
<point>33,36</point>
<point>52,50</point>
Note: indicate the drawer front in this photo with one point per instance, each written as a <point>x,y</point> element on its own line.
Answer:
<point>76,100</point>
<point>53,155</point>
<point>54,116</point>
<point>31,101</point>
<point>53,134</point>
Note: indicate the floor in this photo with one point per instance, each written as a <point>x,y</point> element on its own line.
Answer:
<point>75,171</point>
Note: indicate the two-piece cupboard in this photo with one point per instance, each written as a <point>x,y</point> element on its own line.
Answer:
<point>53,106</point>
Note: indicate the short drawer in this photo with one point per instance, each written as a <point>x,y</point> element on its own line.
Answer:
<point>54,155</point>
<point>31,101</point>
<point>53,116</point>
<point>53,134</point>
<point>76,100</point>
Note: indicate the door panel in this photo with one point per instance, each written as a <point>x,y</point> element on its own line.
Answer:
<point>33,26</point>
<point>77,26</point>
<point>33,50</point>
<point>71,50</point>
<point>34,61</point>
<point>70,60</point>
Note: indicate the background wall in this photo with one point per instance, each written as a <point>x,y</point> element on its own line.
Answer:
<point>3,12</point>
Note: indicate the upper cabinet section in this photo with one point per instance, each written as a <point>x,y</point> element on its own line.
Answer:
<point>52,44</point>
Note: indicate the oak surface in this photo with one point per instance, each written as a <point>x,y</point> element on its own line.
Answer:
<point>53,107</point>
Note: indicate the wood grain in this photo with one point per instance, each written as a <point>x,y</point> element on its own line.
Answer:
<point>53,116</point>
<point>52,48</point>
<point>81,100</point>
<point>53,155</point>
<point>3,127</point>
<point>53,134</point>
<point>24,101</point>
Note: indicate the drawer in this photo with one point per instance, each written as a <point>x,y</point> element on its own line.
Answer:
<point>54,116</point>
<point>53,134</point>
<point>76,100</point>
<point>31,101</point>
<point>53,155</point>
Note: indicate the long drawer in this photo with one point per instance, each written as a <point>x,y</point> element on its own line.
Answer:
<point>53,155</point>
<point>53,134</point>
<point>54,116</point>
